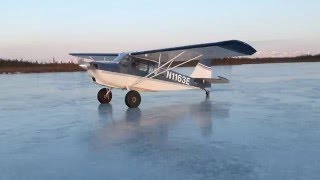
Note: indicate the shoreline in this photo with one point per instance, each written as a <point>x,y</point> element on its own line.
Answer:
<point>23,67</point>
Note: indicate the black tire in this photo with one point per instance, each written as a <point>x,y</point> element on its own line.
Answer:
<point>133,99</point>
<point>102,96</point>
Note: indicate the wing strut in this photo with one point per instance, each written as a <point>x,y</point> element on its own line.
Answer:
<point>145,77</point>
<point>156,70</point>
<point>173,60</point>
<point>177,66</point>
<point>159,60</point>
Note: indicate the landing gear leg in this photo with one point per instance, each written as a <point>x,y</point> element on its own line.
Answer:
<point>104,96</point>
<point>207,93</point>
<point>133,99</point>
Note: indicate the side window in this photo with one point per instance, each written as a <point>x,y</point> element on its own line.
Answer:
<point>142,67</point>
<point>125,62</point>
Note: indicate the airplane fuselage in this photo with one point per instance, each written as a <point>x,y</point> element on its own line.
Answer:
<point>132,75</point>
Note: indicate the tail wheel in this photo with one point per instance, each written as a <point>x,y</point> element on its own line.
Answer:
<point>102,96</point>
<point>133,99</point>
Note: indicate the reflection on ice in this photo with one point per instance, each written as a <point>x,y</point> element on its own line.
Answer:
<point>157,133</point>
<point>155,122</point>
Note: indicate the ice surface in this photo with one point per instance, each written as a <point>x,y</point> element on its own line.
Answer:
<point>265,124</point>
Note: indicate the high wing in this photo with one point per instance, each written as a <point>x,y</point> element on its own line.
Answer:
<point>232,48</point>
<point>224,49</point>
<point>96,56</point>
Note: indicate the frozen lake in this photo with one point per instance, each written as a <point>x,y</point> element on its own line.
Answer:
<point>265,124</point>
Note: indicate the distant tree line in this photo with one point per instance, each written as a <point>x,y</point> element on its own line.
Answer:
<point>245,60</point>
<point>24,63</point>
<point>22,66</point>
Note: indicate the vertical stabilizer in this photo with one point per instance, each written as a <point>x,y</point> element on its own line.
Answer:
<point>203,69</point>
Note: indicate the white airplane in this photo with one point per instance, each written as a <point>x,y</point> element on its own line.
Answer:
<point>154,70</point>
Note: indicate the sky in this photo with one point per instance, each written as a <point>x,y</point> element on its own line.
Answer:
<point>43,30</point>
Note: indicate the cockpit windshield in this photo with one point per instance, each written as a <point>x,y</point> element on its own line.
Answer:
<point>120,57</point>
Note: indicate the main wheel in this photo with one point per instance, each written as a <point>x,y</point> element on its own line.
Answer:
<point>133,99</point>
<point>102,96</point>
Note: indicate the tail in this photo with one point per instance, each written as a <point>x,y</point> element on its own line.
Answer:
<point>203,69</point>
<point>202,74</point>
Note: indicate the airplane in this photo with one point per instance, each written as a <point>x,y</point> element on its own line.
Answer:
<point>153,70</point>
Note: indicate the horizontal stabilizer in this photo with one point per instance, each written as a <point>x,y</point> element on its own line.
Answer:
<point>96,56</point>
<point>219,80</point>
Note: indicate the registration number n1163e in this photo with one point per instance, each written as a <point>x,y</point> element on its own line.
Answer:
<point>178,77</point>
